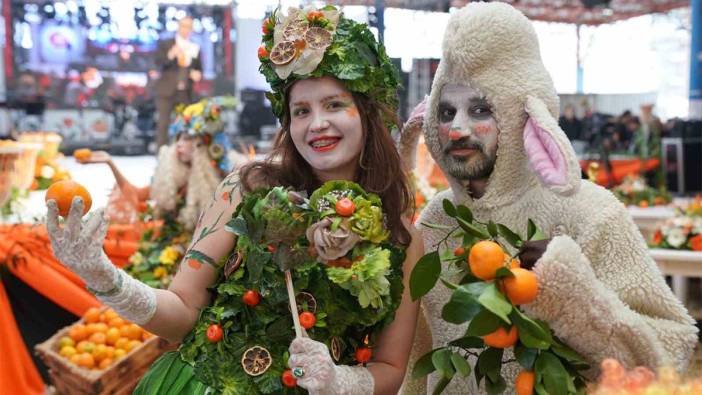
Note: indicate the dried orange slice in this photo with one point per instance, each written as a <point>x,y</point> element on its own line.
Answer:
<point>318,38</point>
<point>295,30</point>
<point>283,53</point>
<point>336,348</point>
<point>256,360</point>
<point>306,302</point>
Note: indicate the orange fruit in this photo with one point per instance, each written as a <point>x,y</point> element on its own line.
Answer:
<point>105,363</point>
<point>134,332</point>
<point>121,343</point>
<point>99,352</point>
<point>500,338</point>
<point>78,332</point>
<point>92,315</point>
<point>643,204</point>
<point>68,351</point>
<point>109,315</point>
<point>485,258</point>
<point>124,331</point>
<point>146,336</point>
<point>85,346</point>
<point>120,353</point>
<point>66,341</point>
<point>132,345</point>
<point>63,193</point>
<point>101,327</point>
<point>98,338</point>
<point>82,154</point>
<point>116,322</point>
<point>110,352</point>
<point>75,358</point>
<point>111,336</point>
<point>524,383</point>
<point>522,288</point>
<point>86,360</point>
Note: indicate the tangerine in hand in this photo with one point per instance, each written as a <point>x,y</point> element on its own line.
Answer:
<point>63,193</point>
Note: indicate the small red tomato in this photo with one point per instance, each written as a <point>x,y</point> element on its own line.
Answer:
<point>262,52</point>
<point>288,379</point>
<point>214,333</point>
<point>264,26</point>
<point>345,207</point>
<point>363,354</point>
<point>459,251</point>
<point>251,298</point>
<point>307,319</point>
<point>270,248</point>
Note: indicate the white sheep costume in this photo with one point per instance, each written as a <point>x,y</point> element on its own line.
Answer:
<point>600,291</point>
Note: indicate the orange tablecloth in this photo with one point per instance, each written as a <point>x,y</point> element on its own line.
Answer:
<point>26,251</point>
<point>620,169</point>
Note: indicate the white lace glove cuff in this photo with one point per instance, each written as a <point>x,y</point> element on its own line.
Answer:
<point>350,380</point>
<point>131,299</point>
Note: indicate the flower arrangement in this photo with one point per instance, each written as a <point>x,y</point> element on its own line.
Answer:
<point>347,278</point>
<point>634,191</point>
<point>492,286</point>
<point>159,250</point>
<point>683,231</point>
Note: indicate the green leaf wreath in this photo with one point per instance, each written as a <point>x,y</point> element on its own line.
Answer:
<point>353,296</point>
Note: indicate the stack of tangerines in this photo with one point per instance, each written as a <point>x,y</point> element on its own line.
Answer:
<point>100,339</point>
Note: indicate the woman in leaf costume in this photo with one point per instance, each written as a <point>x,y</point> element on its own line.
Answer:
<point>344,254</point>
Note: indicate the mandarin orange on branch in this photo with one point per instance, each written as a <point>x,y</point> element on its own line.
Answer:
<point>522,288</point>
<point>485,258</point>
<point>63,193</point>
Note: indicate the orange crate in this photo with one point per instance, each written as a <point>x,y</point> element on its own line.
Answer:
<point>118,379</point>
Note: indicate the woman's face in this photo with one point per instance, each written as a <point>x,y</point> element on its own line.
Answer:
<point>325,127</point>
<point>185,145</point>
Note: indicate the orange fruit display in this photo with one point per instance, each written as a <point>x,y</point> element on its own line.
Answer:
<point>82,154</point>
<point>485,258</point>
<point>522,288</point>
<point>500,338</point>
<point>524,383</point>
<point>63,193</point>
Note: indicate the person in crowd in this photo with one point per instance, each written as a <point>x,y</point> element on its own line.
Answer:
<point>179,64</point>
<point>570,124</point>
<point>491,126</point>
<point>187,173</point>
<point>335,126</point>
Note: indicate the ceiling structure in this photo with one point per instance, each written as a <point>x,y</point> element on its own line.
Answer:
<point>583,12</point>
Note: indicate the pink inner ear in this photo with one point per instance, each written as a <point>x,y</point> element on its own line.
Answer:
<point>545,157</point>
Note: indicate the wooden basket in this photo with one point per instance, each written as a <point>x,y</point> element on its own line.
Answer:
<point>118,379</point>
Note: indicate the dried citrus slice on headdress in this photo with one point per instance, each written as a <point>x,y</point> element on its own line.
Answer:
<point>336,348</point>
<point>295,30</point>
<point>318,38</point>
<point>283,53</point>
<point>256,360</point>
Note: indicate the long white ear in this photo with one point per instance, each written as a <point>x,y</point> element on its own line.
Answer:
<point>549,151</point>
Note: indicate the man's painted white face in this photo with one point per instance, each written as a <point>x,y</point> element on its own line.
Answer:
<point>467,133</point>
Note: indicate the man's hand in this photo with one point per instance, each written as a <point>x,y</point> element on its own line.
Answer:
<point>531,252</point>
<point>174,52</point>
<point>195,75</point>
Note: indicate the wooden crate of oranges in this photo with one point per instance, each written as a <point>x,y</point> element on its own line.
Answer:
<point>100,354</point>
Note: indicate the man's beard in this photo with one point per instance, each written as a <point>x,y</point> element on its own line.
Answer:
<point>477,166</point>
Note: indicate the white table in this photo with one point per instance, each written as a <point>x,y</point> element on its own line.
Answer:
<point>648,219</point>
<point>680,265</point>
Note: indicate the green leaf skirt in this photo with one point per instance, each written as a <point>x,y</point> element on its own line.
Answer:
<point>171,375</point>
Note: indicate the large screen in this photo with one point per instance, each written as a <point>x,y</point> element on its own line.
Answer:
<point>86,53</point>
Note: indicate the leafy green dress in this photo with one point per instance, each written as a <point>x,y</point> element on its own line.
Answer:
<point>352,297</point>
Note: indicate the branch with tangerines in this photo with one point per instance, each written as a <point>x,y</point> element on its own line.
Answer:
<point>488,296</point>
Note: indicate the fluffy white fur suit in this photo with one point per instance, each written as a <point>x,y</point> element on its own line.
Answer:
<point>600,291</point>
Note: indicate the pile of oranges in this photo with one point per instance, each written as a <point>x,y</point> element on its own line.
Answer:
<point>100,339</point>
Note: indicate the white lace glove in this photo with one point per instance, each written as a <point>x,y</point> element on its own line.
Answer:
<point>79,246</point>
<point>322,376</point>
<point>411,131</point>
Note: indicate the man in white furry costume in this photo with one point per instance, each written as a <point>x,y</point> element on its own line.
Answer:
<point>491,126</point>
